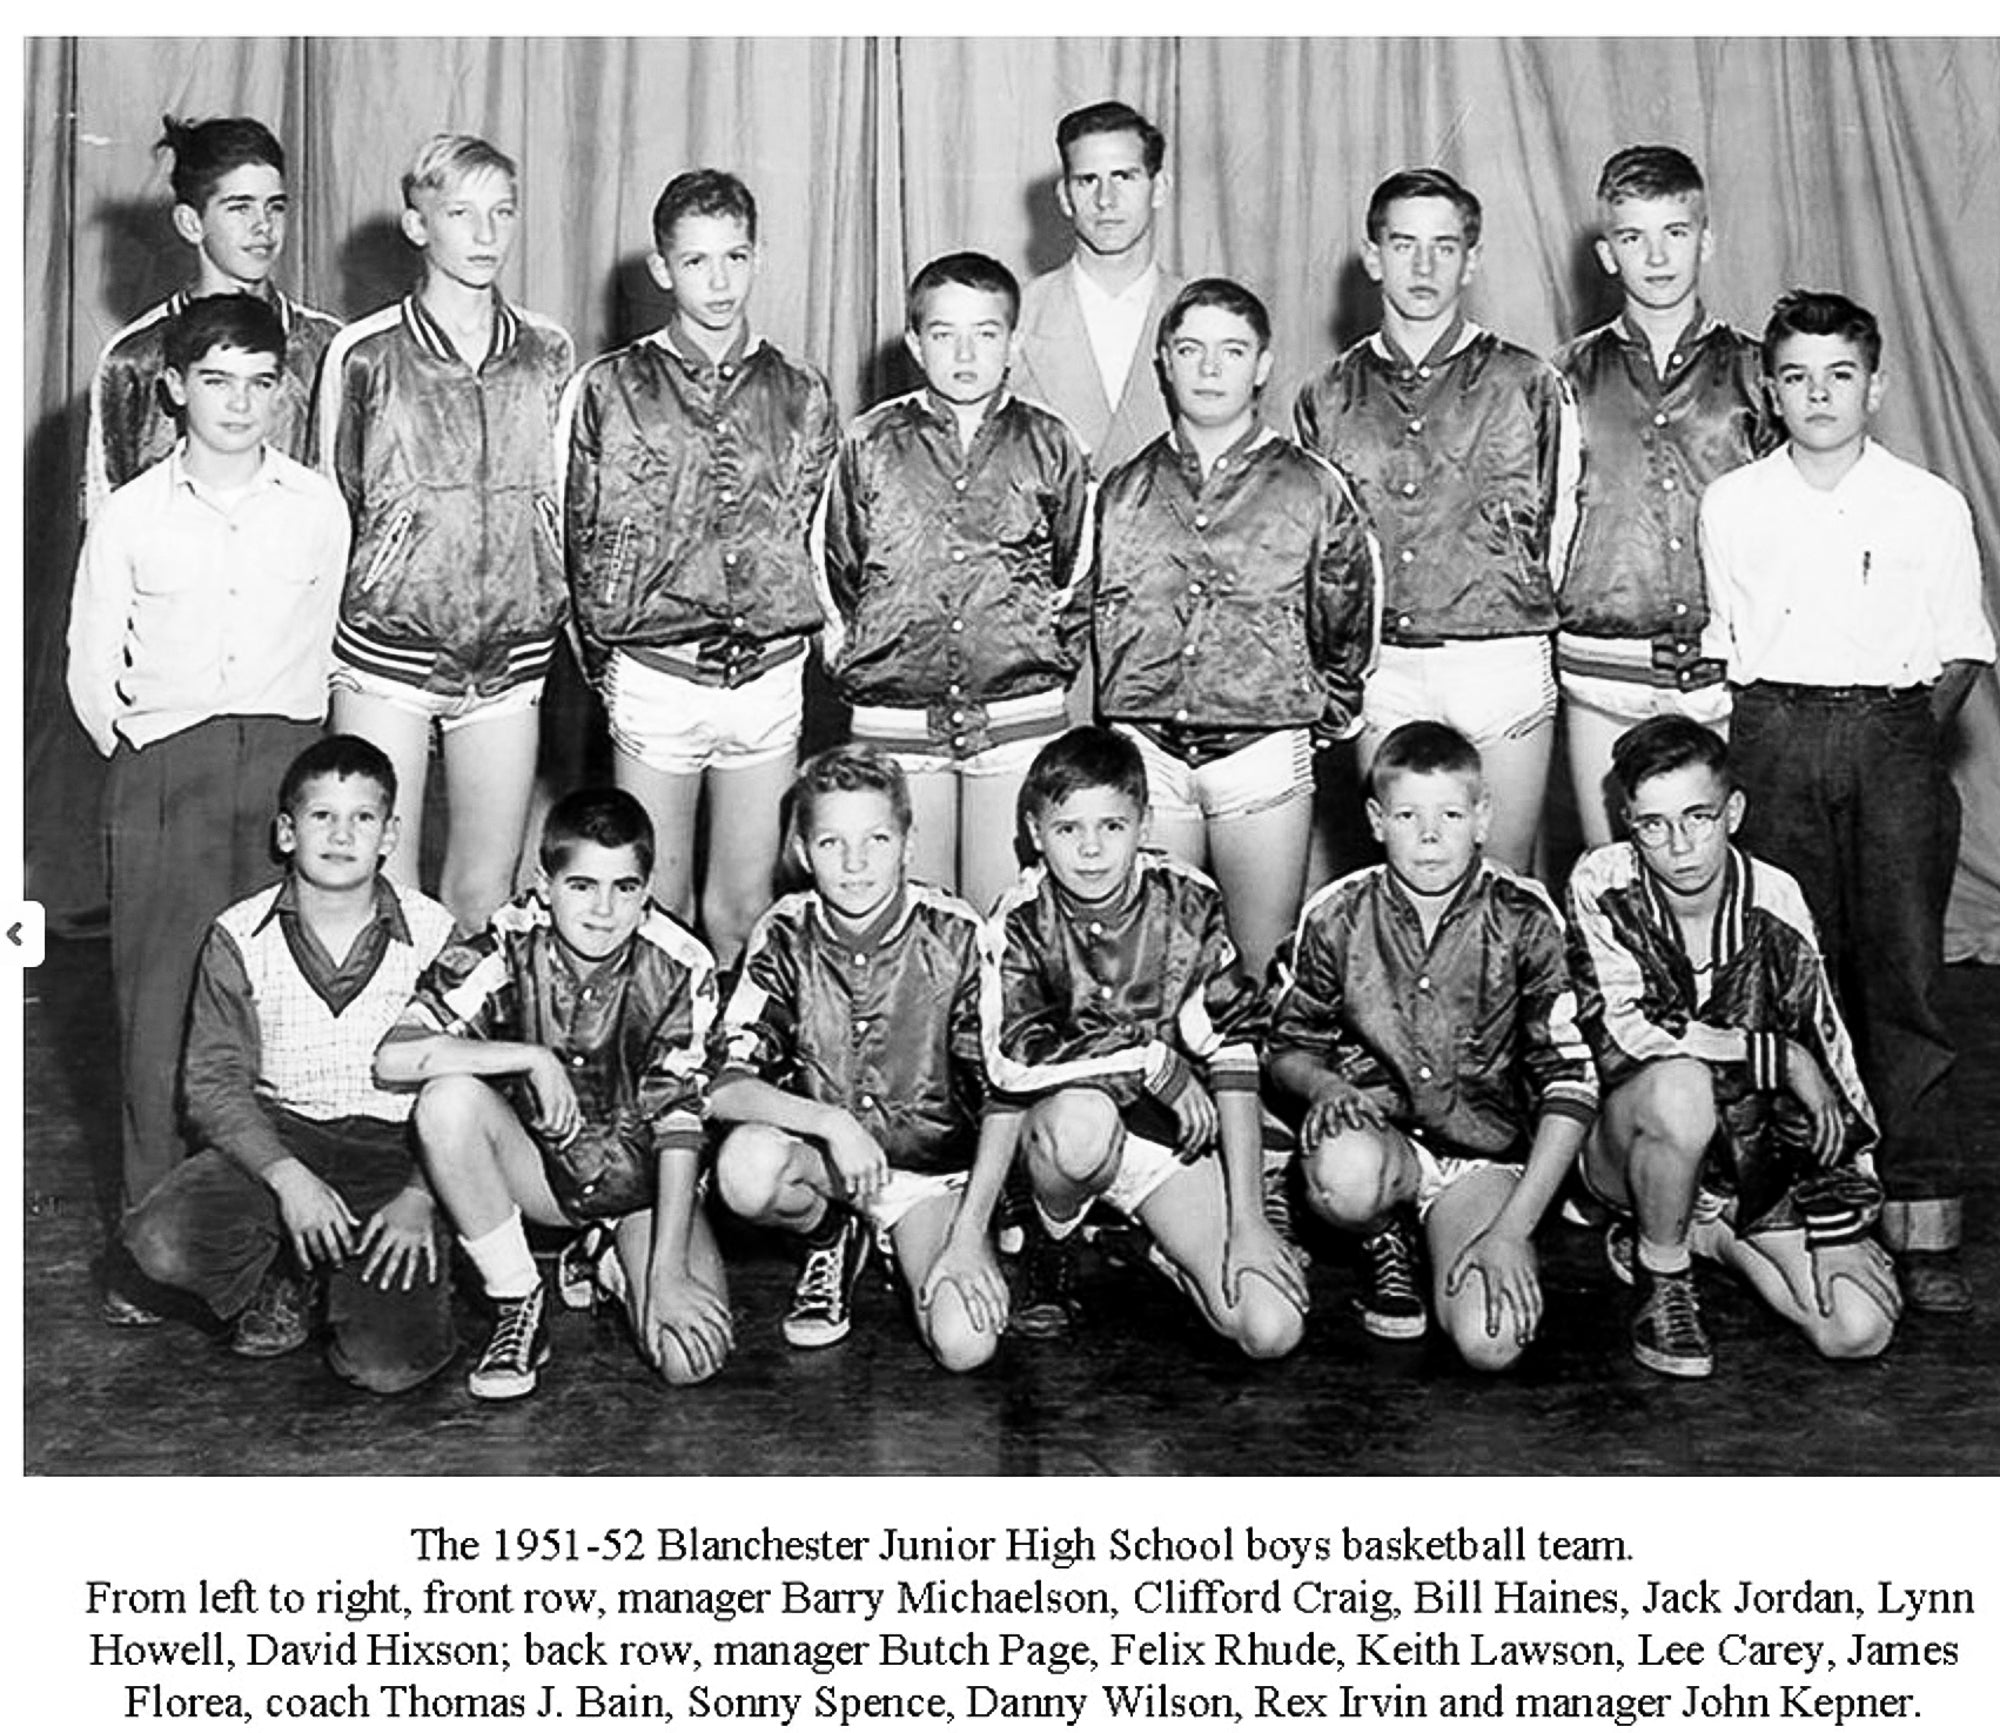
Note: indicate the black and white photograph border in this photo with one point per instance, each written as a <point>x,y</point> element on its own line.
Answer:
<point>1872,166</point>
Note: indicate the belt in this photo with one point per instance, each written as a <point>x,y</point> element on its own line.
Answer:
<point>1798,694</point>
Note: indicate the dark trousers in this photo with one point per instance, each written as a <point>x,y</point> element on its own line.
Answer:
<point>213,1230</point>
<point>189,828</point>
<point>1848,792</point>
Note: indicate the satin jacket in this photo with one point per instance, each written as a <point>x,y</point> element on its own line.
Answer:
<point>1650,445</point>
<point>455,582</point>
<point>1247,600</point>
<point>1471,1038</point>
<point>1457,462</point>
<point>952,573</point>
<point>632,1033</point>
<point>1640,1001</point>
<point>688,500</point>
<point>1120,999</point>
<point>885,1025</point>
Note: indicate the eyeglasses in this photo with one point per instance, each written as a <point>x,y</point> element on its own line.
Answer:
<point>1696,825</point>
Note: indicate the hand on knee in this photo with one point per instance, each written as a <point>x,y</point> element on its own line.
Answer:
<point>1349,1179</point>
<point>955,1342</point>
<point>1855,1327</point>
<point>1481,1350</point>
<point>1265,1325</point>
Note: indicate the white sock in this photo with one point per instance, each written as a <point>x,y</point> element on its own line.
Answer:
<point>501,1256</point>
<point>1663,1260</point>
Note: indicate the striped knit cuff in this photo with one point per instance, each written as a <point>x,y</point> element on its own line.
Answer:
<point>1838,1208</point>
<point>1766,1053</point>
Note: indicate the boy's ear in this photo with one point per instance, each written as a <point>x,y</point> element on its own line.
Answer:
<point>656,268</point>
<point>187,224</point>
<point>1878,382</point>
<point>1161,182</point>
<point>1605,256</point>
<point>285,832</point>
<point>915,346</point>
<point>1371,261</point>
<point>1482,817</point>
<point>414,230</point>
<point>1375,817</point>
<point>1265,359</point>
<point>1471,262</point>
<point>392,833</point>
<point>1732,811</point>
<point>176,384</point>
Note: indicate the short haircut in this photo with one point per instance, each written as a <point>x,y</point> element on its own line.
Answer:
<point>450,157</point>
<point>204,151</point>
<point>966,271</point>
<point>855,768</point>
<point>1821,313</point>
<point>1662,744</point>
<point>702,192</point>
<point>1217,292</point>
<point>226,321</point>
<point>1423,749</point>
<point>1086,757</point>
<point>609,817</point>
<point>1649,171</point>
<point>339,755</point>
<point>1100,117</point>
<point>1423,183</point>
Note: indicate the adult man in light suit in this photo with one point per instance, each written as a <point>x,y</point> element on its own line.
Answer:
<point>1088,328</point>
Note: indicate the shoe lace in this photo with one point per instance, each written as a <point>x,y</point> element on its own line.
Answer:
<point>1680,1317</point>
<point>1394,1261</point>
<point>1051,1271</point>
<point>819,1281</point>
<point>514,1331</point>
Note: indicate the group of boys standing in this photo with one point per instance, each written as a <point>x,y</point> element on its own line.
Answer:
<point>1460,530</point>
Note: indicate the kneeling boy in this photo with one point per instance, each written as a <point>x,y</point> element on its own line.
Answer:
<point>561,1059</point>
<point>1734,1122</point>
<point>1426,1019</point>
<point>851,1062</point>
<point>305,1171</point>
<point>1119,1005</point>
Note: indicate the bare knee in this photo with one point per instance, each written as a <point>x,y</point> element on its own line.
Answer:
<point>1672,1110</point>
<point>452,1110</point>
<point>681,1372</point>
<point>1074,1138</point>
<point>955,1342</point>
<point>473,892</point>
<point>1855,1329</point>
<point>751,1170</point>
<point>1481,1350</point>
<point>1350,1178</point>
<point>1265,1325</point>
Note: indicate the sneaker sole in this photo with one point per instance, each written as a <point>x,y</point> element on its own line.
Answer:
<point>1039,1324</point>
<point>1389,1329</point>
<point>267,1347</point>
<point>508,1386</point>
<point>1673,1366</point>
<point>816,1334</point>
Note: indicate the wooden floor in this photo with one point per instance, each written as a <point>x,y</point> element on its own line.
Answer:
<point>1142,1390</point>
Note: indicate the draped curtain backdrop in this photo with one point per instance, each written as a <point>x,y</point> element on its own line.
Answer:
<point>1868,166</point>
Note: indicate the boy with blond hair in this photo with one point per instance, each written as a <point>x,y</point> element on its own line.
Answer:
<point>436,417</point>
<point>1667,399</point>
<point>850,1065</point>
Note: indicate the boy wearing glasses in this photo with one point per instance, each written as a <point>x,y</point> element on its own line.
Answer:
<point>1734,1124</point>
